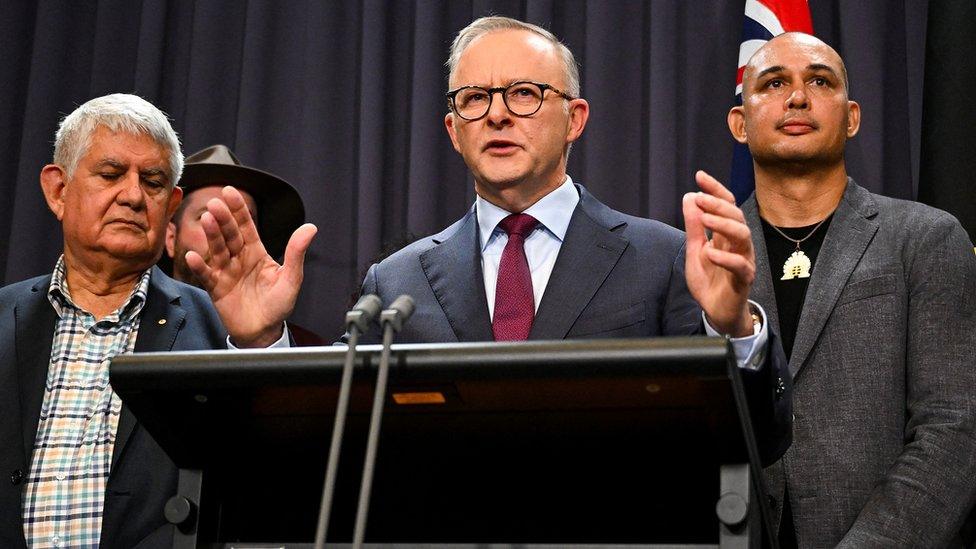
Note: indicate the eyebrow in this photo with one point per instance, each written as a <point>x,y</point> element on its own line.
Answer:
<point>154,171</point>
<point>111,163</point>
<point>822,67</point>
<point>507,83</point>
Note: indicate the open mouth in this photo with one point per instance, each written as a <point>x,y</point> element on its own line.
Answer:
<point>501,146</point>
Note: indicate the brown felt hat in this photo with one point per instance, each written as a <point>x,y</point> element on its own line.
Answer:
<point>280,208</point>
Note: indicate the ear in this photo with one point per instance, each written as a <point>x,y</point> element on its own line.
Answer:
<point>53,185</point>
<point>579,113</point>
<point>737,124</point>
<point>853,118</point>
<point>449,122</point>
<point>171,239</point>
<point>175,198</point>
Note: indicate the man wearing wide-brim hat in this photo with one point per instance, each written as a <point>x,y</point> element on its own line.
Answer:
<point>274,204</point>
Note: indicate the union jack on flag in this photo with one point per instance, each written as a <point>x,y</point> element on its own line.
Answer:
<point>763,20</point>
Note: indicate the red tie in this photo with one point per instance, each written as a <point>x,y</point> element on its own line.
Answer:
<point>514,303</point>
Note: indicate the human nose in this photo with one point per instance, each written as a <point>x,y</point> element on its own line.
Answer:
<point>131,192</point>
<point>797,99</point>
<point>498,113</point>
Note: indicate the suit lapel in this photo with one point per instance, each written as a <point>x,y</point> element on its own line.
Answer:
<point>35,322</point>
<point>586,257</point>
<point>453,270</point>
<point>848,236</point>
<point>161,320</point>
<point>762,287</point>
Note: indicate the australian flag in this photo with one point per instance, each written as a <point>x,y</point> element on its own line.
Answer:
<point>763,20</point>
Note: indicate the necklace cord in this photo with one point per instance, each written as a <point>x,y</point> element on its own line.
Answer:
<point>795,241</point>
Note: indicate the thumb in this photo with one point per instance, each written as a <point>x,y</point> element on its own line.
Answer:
<point>298,244</point>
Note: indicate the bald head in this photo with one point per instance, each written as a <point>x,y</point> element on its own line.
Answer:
<point>795,110</point>
<point>765,60</point>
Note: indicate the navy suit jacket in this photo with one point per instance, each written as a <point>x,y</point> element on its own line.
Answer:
<point>615,276</point>
<point>142,476</point>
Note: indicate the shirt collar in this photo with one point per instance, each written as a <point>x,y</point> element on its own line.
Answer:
<point>60,296</point>
<point>553,211</point>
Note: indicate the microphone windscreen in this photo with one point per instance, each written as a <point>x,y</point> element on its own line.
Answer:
<point>404,305</point>
<point>363,312</point>
<point>370,305</point>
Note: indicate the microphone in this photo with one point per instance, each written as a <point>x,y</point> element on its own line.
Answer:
<point>392,320</point>
<point>363,312</point>
<point>357,322</point>
<point>397,314</point>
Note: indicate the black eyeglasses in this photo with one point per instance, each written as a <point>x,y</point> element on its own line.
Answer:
<point>521,99</point>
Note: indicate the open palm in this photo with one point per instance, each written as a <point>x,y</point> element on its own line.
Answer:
<point>252,293</point>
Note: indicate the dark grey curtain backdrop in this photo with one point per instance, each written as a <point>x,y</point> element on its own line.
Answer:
<point>344,99</point>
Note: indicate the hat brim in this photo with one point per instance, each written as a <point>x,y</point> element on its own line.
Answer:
<point>280,208</point>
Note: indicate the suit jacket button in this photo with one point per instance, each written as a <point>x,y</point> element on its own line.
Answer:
<point>16,477</point>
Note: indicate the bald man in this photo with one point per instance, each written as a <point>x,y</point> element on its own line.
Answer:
<point>874,299</point>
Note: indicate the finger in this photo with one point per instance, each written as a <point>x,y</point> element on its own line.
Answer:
<point>227,224</point>
<point>694,230</point>
<point>717,206</point>
<point>733,232</point>
<point>295,251</point>
<point>200,269</point>
<point>219,255</point>
<point>219,210</point>
<point>743,271</point>
<point>713,187</point>
<point>242,215</point>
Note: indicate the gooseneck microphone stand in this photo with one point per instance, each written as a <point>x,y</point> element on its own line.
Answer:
<point>357,322</point>
<point>392,320</point>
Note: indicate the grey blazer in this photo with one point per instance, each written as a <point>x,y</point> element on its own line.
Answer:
<point>615,276</point>
<point>884,375</point>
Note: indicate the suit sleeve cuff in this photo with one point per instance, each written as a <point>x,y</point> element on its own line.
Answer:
<point>284,342</point>
<point>750,351</point>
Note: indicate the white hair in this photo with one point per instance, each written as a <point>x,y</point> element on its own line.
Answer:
<point>119,112</point>
<point>485,25</point>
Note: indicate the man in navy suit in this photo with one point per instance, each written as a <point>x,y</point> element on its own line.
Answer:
<point>82,472</point>
<point>514,111</point>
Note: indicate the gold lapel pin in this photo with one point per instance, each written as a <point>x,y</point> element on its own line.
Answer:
<point>162,321</point>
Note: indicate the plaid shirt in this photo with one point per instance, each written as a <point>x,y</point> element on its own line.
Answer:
<point>65,491</point>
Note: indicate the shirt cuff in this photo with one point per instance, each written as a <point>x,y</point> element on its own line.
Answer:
<point>750,351</point>
<point>284,342</point>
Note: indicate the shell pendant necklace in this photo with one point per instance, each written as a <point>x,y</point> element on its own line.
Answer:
<point>798,264</point>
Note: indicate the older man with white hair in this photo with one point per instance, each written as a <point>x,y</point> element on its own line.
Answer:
<point>82,472</point>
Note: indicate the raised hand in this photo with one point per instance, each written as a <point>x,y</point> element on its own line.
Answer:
<point>253,294</point>
<point>720,270</point>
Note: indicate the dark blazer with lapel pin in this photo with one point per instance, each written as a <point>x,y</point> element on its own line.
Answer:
<point>142,476</point>
<point>884,377</point>
<point>615,276</point>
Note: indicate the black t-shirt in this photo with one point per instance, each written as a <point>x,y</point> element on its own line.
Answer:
<point>790,293</point>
